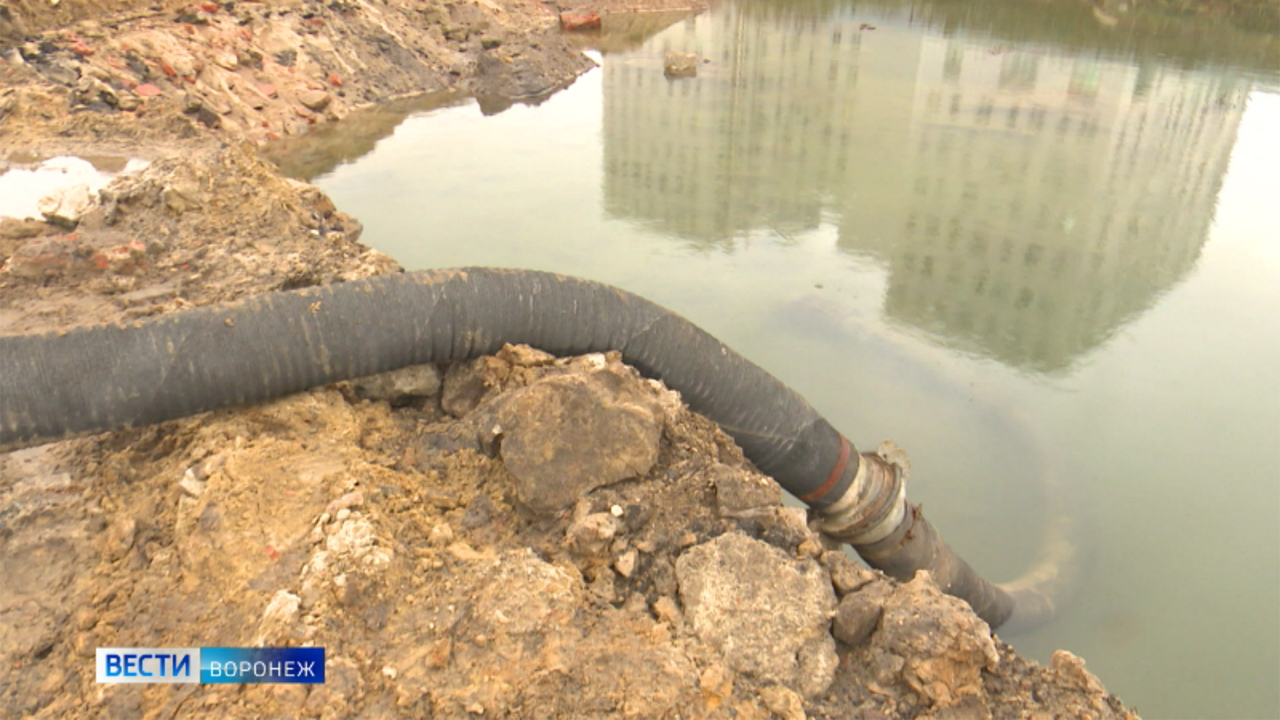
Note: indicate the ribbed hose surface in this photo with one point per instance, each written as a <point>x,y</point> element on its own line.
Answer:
<point>59,385</point>
<point>62,384</point>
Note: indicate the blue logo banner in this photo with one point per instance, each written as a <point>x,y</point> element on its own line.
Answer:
<point>262,665</point>
<point>303,665</point>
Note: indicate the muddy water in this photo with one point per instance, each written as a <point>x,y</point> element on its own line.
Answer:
<point>1016,245</point>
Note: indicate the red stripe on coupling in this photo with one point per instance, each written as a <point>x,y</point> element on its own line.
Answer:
<point>834,477</point>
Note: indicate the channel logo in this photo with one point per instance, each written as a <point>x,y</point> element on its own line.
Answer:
<point>210,665</point>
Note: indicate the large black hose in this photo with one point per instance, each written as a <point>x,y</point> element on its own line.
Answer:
<point>62,384</point>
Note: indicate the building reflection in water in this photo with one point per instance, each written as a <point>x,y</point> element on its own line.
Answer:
<point>1024,203</point>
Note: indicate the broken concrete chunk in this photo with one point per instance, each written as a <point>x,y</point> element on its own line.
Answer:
<point>462,388</point>
<point>738,491</point>
<point>65,206</point>
<point>847,575</point>
<point>565,435</point>
<point>592,534</point>
<point>398,386</point>
<point>945,646</point>
<point>859,613</point>
<point>722,580</point>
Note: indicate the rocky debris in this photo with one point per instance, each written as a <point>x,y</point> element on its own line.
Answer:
<point>680,65</point>
<point>65,206</point>
<point>579,21</point>
<point>790,646</point>
<point>436,592</point>
<point>565,435</point>
<point>401,386</point>
<point>74,255</point>
<point>15,229</point>
<point>206,227</point>
<point>859,613</point>
<point>738,494</point>
<point>315,100</point>
<point>266,70</point>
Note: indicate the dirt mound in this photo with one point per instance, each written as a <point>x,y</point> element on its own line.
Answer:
<point>209,227</point>
<point>447,573</point>
<point>261,70</point>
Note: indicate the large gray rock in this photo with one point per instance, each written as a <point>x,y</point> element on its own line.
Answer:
<point>767,613</point>
<point>565,435</point>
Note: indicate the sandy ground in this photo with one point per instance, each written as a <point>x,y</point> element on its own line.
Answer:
<point>412,525</point>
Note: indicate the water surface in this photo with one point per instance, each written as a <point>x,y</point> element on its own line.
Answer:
<point>1015,244</point>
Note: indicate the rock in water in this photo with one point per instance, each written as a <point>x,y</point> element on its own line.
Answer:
<point>679,65</point>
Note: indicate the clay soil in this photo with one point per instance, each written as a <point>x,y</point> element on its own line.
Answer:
<point>518,536</point>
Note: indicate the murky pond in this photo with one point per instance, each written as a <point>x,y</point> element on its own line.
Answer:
<point>1019,245</point>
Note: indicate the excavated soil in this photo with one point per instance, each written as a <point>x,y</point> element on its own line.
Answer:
<point>518,536</point>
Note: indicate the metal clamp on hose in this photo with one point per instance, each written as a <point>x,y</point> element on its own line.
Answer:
<point>875,503</point>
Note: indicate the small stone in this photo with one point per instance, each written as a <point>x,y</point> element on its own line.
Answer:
<point>184,66</point>
<point>738,491</point>
<point>438,653</point>
<point>65,206</point>
<point>859,613</point>
<point>809,548</point>
<point>847,575</point>
<point>1070,668</point>
<point>666,610</point>
<point>716,682</point>
<point>782,702</point>
<point>591,534</point>
<point>119,539</point>
<point>440,535</point>
<point>147,90</point>
<point>350,500</point>
<point>226,59</point>
<point>626,564</point>
<point>282,610</point>
<point>414,381</point>
<point>210,465</point>
<point>190,484</point>
<point>315,100</point>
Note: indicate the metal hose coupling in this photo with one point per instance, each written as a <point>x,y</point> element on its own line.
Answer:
<point>875,503</point>
<point>873,516</point>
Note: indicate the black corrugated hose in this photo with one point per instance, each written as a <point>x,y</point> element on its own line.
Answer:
<point>62,384</point>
